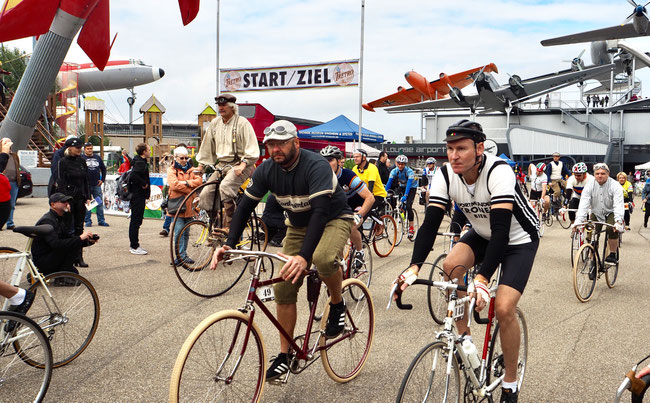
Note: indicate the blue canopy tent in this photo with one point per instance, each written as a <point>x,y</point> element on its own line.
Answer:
<point>340,129</point>
<point>508,160</point>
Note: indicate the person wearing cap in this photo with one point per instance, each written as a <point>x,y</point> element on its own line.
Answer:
<point>504,232</point>
<point>230,142</point>
<point>54,165</point>
<point>72,180</point>
<point>604,196</point>
<point>318,227</point>
<point>369,173</point>
<point>96,176</point>
<point>140,189</point>
<point>557,171</point>
<point>58,249</point>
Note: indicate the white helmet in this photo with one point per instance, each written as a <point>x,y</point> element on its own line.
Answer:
<point>402,158</point>
<point>430,160</point>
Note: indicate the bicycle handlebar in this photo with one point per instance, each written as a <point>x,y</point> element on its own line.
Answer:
<point>443,285</point>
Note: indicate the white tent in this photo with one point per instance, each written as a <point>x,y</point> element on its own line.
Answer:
<point>643,166</point>
<point>372,152</point>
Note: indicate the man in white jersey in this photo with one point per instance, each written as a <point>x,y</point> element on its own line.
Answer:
<point>574,187</point>
<point>427,177</point>
<point>538,187</point>
<point>604,195</point>
<point>504,232</point>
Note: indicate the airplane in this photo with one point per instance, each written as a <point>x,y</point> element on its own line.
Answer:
<point>492,96</point>
<point>638,27</point>
<point>117,75</point>
<point>423,90</point>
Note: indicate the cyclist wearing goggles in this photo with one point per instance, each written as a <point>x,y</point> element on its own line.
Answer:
<point>319,223</point>
<point>504,231</point>
<point>229,140</point>
<point>407,184</point>
<point>604,195</point>
<point>574,187</point>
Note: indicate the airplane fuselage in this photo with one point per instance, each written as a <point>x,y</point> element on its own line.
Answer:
<point>115,78</point>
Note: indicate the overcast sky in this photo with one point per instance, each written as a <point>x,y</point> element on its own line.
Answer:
<point>427,36</point>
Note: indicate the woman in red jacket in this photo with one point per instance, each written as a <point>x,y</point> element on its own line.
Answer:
<point>5,186</point>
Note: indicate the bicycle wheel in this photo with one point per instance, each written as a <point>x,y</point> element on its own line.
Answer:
<point>426,379</point>
<point>194,272</point>
<point>25,360</point>
<point>585,272</point>
<point>400,226</point>
<point>540,217</point>
<point>548,218</point>
<point>437,298</point>
<point>577,240</point>
<point>344,357</point>
<point>385,241</point>
<point>255,235</point>
<point>363,273</point>
<point>69,318</point>
<point>496,364</point>
<point>7,266</point>
<point>611,270</point>
<point>219,361</point>
<point>416,226</point>
<point>563,219</point>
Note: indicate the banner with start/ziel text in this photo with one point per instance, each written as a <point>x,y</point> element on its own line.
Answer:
<point>328,74</point>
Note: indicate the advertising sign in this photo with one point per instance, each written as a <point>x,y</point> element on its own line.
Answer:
<point>328,74</point>
<point>113,205</point>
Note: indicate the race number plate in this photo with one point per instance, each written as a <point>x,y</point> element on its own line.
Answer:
<point>459,311</point>
<point>265,293</point>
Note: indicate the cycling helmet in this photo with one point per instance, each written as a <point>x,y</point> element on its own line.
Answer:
<point>430,160</point>
<point>402,158</point>
<point>331,152</point>
<point>360,151</point>
<point>465,129</point>
<point>541,166</point>
<point>580,168</point>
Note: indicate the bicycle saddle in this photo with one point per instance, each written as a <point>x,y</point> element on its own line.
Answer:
<point>34,231</point>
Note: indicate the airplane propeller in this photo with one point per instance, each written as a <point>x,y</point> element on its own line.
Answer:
<point>515,81</point>
<point>577,64</point>
<point>639,10</point>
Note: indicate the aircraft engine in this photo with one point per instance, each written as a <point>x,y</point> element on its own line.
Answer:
<point>457,95</point>
<point>600,53</point>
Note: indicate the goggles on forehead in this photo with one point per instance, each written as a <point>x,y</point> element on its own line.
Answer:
<point>276,129</point>
<point>222,100</point>
<point>601,166</point>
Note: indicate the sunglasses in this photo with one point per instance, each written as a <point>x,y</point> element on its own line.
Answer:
<point>183,158</point>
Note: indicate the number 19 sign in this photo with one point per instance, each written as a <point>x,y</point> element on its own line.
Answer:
<point>329,74</point>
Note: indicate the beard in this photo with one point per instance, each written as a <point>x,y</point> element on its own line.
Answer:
<point>284,159</point>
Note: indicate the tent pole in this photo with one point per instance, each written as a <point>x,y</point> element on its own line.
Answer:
<point>363,7</point>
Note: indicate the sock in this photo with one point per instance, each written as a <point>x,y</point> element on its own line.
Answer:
<point>510,385</point>
<point>284,357</point>
<point>18,298</point>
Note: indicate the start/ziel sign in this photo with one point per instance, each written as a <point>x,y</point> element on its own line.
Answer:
<point>329,74</point>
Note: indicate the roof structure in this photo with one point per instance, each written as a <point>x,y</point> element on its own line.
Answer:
<point>152,105</point>
<point>208,110</point>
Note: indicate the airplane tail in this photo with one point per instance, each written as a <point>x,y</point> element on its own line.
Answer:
<point>94,38</point>
<point>25,18</point>
<point>189,10</point>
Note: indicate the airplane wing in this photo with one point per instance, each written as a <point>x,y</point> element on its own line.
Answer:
<point>630,105</point>
<point>428,91</point>
<point>25,18</point>
<point>438,104</point>
<point>603,34</point>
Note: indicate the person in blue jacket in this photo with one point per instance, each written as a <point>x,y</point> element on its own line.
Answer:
<point>408,185</point>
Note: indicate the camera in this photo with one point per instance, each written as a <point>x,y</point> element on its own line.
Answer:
<point>94,237</point>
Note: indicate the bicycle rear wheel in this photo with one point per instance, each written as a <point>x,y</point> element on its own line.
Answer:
<point>25,359</point>
<point>585,272</point>
<point>426,379</point>
<point>69,318</point>
<point>345,355</point>
<point>496,362</point>
<point>384,242</point>
<point>611,272</point>
<point>437,298</point>
<point>218,362</point>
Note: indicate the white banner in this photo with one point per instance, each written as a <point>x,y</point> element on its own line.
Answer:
<point>327,74</point>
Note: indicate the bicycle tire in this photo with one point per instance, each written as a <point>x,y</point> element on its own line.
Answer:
<point>344,359</point>
<point>420,381</point>
<point>577,240</point>
<point>563,219</point>
<point>384,243</point>
<point>416,226</point>
<point>495,364</point>
<point>611,271</point>
<point>78,302</point>
<point>548,221</point>
<point>32,347</point>
<point>7,266</point>
<point>436,298</point>
<point>364,273</point>
<point>197,374</point>
<point>540,211</point>
<point>399,225</point>
<point>585,263</point>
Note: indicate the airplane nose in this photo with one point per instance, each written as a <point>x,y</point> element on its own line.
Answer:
<point>161,72</point>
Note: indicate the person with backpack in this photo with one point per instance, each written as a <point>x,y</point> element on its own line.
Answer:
<point>139,191</point>
<point>96,176</point>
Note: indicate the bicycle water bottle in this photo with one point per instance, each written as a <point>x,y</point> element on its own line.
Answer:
<point>471,352</point>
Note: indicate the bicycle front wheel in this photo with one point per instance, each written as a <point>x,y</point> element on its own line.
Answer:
<point>344,357</point>
<point>220,361</point>
<point>563,219</point>
<point>496,362</point>
<point>362,273</point>
<point>426,379</point>
<point>25,359</point>
<point>416,226</point>
<point>384,239</point>
<point>585,272</point>
<point>69,317</point>
<point>611,272</point>
<point>577,240</point>
<point>400,226</point>
<point>437,298</point>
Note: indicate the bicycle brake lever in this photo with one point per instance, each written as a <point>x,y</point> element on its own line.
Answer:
<point>396,290</point>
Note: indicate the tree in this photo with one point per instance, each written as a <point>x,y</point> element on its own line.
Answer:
<point>13,60</point>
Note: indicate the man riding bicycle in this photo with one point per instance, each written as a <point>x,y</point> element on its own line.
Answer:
<point>427,176</point>
<point>370,175</point>
<point>504,231</point>
<point>316,206</point>
<point>574,187</point>
<point>538,187</point>
<point>359,198</point>
<point>556,171</point>
<point>604,195</point>
<point>407,185</point>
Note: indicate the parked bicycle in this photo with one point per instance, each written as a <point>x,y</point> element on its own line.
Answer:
<point>66,305</point>
<point>434,373</point>
<point>636,382</point>
<point>589,266</point>
<point>224,358</point>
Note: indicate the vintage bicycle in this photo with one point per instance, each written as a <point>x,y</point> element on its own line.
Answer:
<point>224,358</point>
<point>538,207</point>
<point>66,305</point>
<point>397,209</point>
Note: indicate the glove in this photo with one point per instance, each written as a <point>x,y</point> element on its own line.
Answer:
<point>404,199</point>
<point>408,276</point>
<point>619,227</point>
<point>480,289</point>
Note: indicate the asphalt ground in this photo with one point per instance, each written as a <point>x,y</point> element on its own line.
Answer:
<point>578,352</point>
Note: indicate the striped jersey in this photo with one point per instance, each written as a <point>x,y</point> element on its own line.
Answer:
<point>496,183</point>
<point>572,183</point>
